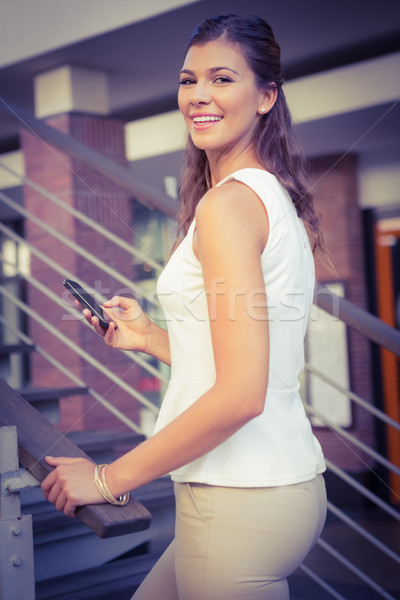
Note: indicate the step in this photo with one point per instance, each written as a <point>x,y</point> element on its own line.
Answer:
<point>118,579</point>
<point>46,400</point>
<point>14,362</point>
<point>105,446</point>
<point>7,349</point>
<point>43,394</point>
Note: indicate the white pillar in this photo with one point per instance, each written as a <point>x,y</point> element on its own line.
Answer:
<point>71,89</point>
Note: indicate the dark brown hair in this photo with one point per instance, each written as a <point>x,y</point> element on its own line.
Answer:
<point>276,145</point>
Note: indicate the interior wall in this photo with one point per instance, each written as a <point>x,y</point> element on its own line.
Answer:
<point>379,177</point>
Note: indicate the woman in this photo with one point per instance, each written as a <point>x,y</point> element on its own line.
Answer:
<point>236,292</point>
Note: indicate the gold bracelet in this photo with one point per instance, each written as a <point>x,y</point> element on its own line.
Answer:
<point>101,484</point>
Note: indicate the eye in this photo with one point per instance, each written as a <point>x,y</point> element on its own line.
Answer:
<point>222,79</point>
<point>186,81</point>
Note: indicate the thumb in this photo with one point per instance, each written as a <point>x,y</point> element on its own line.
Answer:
<point>116,302</point>
<point>121,302</point>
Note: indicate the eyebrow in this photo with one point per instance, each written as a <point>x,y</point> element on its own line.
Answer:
<point>212,70</point>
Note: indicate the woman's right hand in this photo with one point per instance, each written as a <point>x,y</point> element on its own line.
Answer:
<point>129,327</point>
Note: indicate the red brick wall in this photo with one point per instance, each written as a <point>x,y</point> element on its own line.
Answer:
<point>336,198</point>
<point>100,199</point>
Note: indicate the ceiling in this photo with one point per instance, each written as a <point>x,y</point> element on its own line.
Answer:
<point>142,59</point>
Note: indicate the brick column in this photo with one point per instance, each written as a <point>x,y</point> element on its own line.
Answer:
<point>336,198</point>
<point>97,197</point>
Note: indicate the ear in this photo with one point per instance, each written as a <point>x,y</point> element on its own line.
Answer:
<point>268,99</point>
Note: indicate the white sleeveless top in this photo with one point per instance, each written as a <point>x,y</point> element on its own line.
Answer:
<point>277,447</point>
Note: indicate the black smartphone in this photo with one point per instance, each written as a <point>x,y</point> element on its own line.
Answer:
<point>86,300</point>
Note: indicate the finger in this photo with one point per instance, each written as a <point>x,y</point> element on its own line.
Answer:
<point>46,487</point>
<point>55,492</point>
<point>59,497</point>
<point>110,314</point>
<point>54,461</point>
<point>94,321</point>
<point>87,314</point>
<point>48,483</point>
<point>114,301</point>
<point>60,501</point>
<point>121,302</point>
<point>110,334</point>
<point>70,508</point>
<point>66,505</point>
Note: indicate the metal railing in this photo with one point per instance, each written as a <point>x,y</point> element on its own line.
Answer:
<point>136,289</point>
<point>387,337</point>
<point>138,358</point>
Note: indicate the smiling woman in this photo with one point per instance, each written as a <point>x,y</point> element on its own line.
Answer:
<point>232,431</point>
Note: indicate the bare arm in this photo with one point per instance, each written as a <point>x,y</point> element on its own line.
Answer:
<point>231,231</point>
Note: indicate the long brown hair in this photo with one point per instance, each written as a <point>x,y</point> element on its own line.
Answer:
<point>275,142</point>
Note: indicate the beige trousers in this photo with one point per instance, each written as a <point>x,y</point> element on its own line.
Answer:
<point>237,543</point>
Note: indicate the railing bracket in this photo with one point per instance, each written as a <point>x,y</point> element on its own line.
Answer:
<point>17,581</point>
<point>20,480</point>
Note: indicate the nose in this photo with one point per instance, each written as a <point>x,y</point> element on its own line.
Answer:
<point>200,94</point>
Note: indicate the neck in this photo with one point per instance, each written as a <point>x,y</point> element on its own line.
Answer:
<point>223,164</point>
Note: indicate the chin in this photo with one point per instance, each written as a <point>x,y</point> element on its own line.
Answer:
<point>207,146</point>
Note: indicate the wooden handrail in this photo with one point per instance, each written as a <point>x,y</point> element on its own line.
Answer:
<point>122,176</point>
<point>38,438</point>
<point>364,322</point>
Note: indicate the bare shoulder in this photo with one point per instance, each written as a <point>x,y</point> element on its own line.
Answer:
<point>233,195</point>
<point>233,207</point>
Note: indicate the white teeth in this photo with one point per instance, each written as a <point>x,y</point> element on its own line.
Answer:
<point>205,119</point>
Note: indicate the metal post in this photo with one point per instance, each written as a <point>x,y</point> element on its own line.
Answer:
<point>17,581</point>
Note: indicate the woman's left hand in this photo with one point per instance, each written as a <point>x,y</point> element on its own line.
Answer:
<point>71,484</point>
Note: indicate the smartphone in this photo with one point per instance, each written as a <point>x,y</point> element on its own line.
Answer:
<point>86,300</point>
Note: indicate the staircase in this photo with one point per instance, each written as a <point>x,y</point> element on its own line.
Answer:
<point>63,546</point>
<point>358,555</point>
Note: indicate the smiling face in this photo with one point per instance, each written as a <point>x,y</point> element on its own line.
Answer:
<point>219,98</point>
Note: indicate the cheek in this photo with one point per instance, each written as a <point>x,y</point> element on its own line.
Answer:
<point>182,101</point>
<point>243,105</point>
